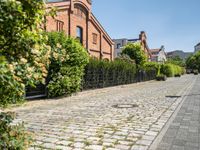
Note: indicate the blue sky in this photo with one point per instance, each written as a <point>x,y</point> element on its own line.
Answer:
<point>172,23</point>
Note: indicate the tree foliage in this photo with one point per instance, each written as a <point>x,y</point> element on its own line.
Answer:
<point>135,52</point>
<point>193,62</point>
<point>24,55</point>
<point>176,60</point>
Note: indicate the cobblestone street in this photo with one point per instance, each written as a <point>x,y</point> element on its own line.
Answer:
<point>127,117</point>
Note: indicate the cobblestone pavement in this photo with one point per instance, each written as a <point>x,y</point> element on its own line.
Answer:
<point>183,132</point>
<point>126,117</point>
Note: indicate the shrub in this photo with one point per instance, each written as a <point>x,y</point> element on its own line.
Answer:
<point>100,73</point>
<point>11,90</point>
<point>196,72</point>
<point>161,77</point>
<point>13,137</point>
<point>151,66</point>
<point>171,70</point>
<point>68,59</point>
<point>22,47</point>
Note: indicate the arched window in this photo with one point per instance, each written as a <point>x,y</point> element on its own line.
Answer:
<point>79,34</point>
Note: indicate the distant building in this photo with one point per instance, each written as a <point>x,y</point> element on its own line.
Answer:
<point>183,55</point>
<point>197,48</point>
<point>120,43</point>
<point>158,55</point>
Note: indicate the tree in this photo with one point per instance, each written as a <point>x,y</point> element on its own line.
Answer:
<point>135,52</point>
<point>176,60</point>
<point>193,62</point>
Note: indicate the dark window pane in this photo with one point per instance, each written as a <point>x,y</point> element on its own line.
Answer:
<point>79,34</point>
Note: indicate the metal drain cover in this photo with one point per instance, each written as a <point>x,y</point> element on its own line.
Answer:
<point>125,106</point>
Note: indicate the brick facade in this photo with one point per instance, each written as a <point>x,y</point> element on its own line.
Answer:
<point>73,14</point>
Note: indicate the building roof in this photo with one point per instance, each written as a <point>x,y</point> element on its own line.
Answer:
<point>133,40</point>
<point>154,50</point>
<point>197,44</point>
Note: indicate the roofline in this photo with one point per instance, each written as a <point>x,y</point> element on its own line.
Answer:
<point>103,28</point>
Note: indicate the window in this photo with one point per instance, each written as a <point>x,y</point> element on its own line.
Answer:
<point>118,46</point>
<point>80,12</point>
<point>59,25</point>
<point>94,35</point>
<point>79,34</point>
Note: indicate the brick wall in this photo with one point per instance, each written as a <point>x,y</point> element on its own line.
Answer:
<point>75,13</point>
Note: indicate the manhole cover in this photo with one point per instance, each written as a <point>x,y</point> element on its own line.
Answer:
<point>125,106</point>
<point>170,96</point>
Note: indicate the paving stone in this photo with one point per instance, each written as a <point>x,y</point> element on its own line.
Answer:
<point>139,147</point>
<point>94,147</point>
<point>144,142</point>
<point>183,133</point>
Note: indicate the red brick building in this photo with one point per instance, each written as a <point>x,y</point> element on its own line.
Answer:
<point>75,18</point>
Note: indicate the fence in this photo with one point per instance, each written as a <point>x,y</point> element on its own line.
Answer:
<point>99,78</point>
<point>94,79</point>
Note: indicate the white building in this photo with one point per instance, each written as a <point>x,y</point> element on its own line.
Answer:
<point>158,55</point>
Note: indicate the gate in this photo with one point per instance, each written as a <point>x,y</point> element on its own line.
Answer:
<point>40,91</point>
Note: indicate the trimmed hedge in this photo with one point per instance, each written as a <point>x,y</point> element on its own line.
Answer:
<point>101,73</point>
<point>171,70</point>
<point>148,66</point>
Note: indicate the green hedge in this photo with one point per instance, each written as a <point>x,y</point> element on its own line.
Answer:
<point>170,70</point>
<point>100,73</point>
<point>148,66</point>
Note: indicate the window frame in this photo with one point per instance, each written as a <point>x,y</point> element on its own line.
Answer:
<point>59,25</point>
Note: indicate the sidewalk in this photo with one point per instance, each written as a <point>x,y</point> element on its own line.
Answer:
<point>183,132</point>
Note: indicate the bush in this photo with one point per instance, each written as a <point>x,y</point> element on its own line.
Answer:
<point>100,73</point>
<point>196,72</point>
<point>161,77</point>
<point>13,137</point>
<point>170,70</point>
<point>148,66</point>
<point>22,47</point>
<point>68,59</point>
<point>11,90</point>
